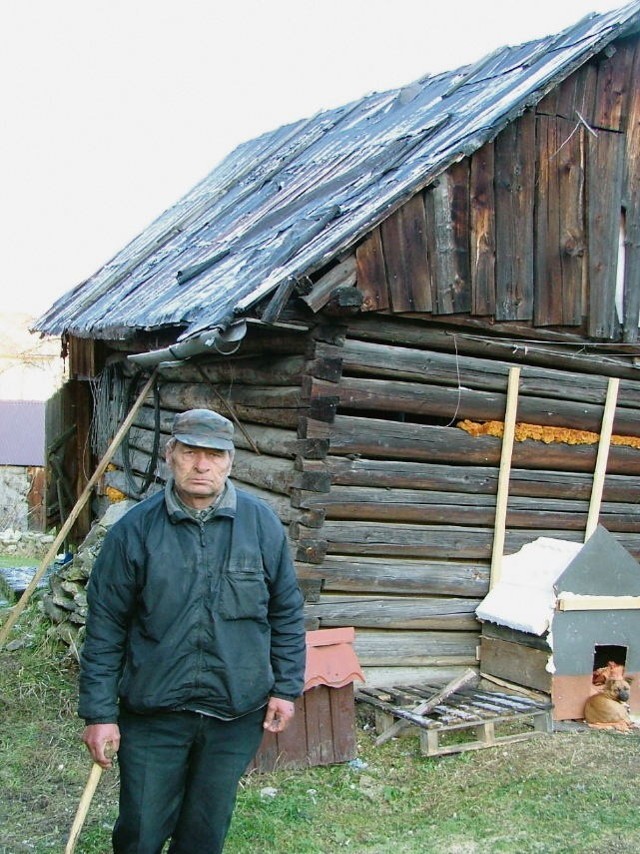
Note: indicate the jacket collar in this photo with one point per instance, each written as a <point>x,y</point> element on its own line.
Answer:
<point>177,509</point>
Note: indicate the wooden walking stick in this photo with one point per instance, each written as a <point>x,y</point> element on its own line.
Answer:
<point>53,550</point>
<point>83,807</point>
<point>85,800</point>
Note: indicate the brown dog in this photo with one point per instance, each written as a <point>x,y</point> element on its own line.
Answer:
<point>610,708</point>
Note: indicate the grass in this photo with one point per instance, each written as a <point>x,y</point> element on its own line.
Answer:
<point>17,560</point>
<point>573,791</point>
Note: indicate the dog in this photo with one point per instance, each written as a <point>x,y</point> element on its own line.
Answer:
<point>612,670</point>
<point>609,709</point>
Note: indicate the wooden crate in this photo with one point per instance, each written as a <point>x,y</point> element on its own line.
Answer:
<point>322,732</point>
<point>468,720</point>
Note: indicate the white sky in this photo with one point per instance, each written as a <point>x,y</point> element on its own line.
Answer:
<point>114,108</point>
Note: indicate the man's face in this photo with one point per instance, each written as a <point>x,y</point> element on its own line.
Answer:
<point>199,473</point>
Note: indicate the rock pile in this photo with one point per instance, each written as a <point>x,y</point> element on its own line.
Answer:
<point>65,603</point>
<point>25,543</point>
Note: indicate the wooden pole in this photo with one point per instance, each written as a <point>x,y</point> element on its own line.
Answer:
<point>53,550</point>
<point>503,476</point>
<point>603,456</point>
<point>83,807</point>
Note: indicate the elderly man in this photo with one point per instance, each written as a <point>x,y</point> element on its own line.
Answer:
<point>195,645</point>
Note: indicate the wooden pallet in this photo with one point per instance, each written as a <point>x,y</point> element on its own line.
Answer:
<point>484,718</point>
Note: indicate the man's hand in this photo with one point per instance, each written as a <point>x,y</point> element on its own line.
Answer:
<point>279,714</point>
<point>103,740</point>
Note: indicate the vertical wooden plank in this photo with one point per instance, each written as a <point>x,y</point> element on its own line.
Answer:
<point>488,733</point>
<point>576,96</point>
<point>287,749</point>
<point>504,475</point>
<point>429,742</point>
<point>542,722</point>
<point>631,204</point>
<point>343,723</point>
<point>548,106</point>
<point>559,223</point>
<point>415,221</point>
<point>83,409</point>
<point>83,358</point>
<point>319,730</point>
<point>604,202</point>
<point>393,250</point>
<point>404,243</point>
<point>267,756</point>
<point>548,273</point>
<point>447,210</point>
<point>614,80</point>
<point>440,229</point>
<point>604,443</point>
<point>460,216</point>
<point>36,498</point>
<point>292,743</point>
<point>584,99</point>
<point>483,231</point>
<point>371,273</point>
<point>515,180</point>
<point>573,239</point>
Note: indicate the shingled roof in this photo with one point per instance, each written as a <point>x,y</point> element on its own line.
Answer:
<point>283,205</point>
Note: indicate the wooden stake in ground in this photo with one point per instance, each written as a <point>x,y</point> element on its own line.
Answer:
<point>603,456</point>
<point>83,807</point>
<point>53,550</point>
<point>422,708</point>
<point>504,475</point>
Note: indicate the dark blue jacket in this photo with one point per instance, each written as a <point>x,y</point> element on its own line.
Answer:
<point>191,615</point>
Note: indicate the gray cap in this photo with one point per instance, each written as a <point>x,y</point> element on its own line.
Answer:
<point>202,428</point>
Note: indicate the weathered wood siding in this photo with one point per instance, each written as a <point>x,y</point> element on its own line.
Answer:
<point>528,228</point>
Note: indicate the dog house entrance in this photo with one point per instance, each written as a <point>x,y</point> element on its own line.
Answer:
<point>605,653</point>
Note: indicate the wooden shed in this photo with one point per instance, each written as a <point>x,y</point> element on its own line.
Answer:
<point>353,288</point>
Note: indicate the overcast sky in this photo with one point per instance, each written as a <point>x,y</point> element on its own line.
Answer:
<point>112,110</point>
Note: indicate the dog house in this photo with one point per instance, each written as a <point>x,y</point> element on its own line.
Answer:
<point>323,729</point>
<point>560,611</point>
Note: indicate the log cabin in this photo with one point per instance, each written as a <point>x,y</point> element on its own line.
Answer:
<point>352,289</point>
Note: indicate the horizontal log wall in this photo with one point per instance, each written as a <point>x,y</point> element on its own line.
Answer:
<point>512,343</point>
<point>407,535</point>
<point>388,503</point>
<point>412,615</point>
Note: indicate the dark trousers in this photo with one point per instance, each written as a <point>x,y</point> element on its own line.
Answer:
<point>179,773</point>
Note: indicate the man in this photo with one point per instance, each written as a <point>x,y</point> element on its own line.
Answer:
<point>195,644</point>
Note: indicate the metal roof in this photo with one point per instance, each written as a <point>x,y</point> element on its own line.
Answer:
<point>286,203</point>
